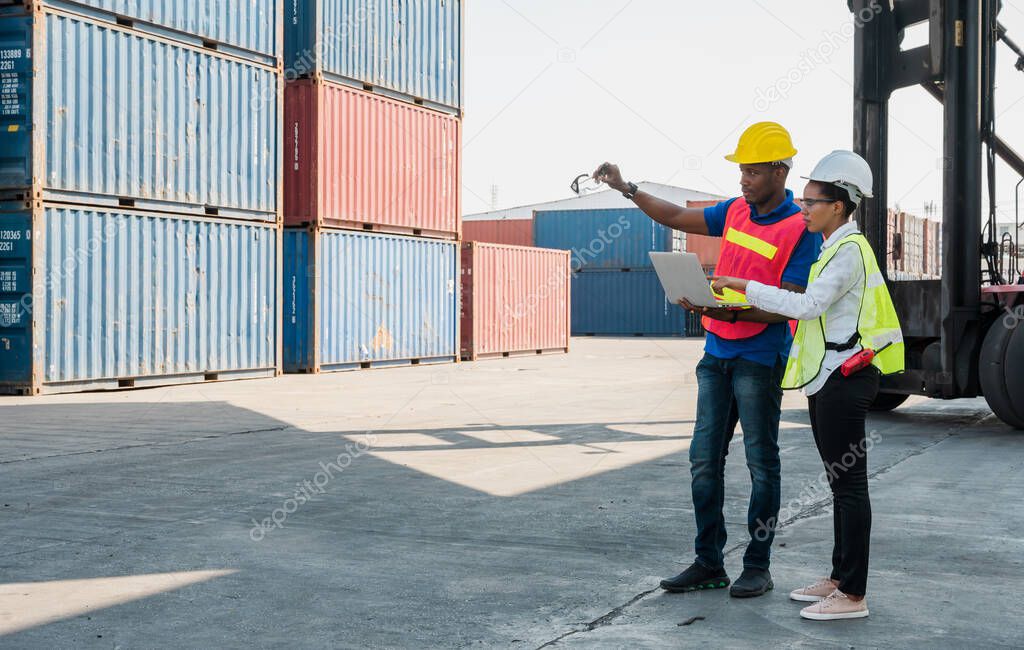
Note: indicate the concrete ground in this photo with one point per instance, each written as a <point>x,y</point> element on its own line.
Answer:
<point>513,503</point>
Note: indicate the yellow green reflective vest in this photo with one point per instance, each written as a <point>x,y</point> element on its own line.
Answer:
<point>877,324</point>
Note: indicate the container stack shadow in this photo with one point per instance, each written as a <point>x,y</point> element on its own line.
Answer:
<point>140,194</point>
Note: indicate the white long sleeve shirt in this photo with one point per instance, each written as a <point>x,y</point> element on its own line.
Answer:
<point>836,293</point>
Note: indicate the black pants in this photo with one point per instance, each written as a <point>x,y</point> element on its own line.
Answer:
<point>837,418</point>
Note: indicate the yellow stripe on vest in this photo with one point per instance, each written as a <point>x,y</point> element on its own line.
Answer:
<point>759,246</point>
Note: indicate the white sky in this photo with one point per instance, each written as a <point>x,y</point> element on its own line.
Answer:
<point>664,90</point>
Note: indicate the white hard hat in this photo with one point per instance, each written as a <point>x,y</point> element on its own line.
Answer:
<point>847,170</point>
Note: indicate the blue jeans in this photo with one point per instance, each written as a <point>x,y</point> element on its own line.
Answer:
<point>731,390</point>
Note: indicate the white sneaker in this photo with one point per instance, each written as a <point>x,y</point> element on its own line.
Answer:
<point>813,593</point>
<point>836,606</point>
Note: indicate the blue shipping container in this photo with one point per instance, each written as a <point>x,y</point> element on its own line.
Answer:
<point>357,300</point>
<point>623,303</point>
<point>100,115</point>
<point>411,49</point>
<point>245,28</point>
<point>94,299</point>
<point>605,239</point>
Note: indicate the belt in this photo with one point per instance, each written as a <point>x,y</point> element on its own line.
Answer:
<point>843,347</point>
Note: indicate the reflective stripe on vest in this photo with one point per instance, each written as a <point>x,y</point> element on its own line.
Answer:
<point>877,324</point>
<point>759,246</point>
<point>756,252</point>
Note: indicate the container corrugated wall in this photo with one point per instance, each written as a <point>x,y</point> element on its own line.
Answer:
<point>375,300</point>
<point>623,303</point>
<point>920,251</point>
<point>360,160</point>
<point>411,48</point>
<point>606,238</point>
<point>514,299</point>
<point>249,28</point>
<point>706,248</point>
<point>126,298</point>
<point>511,232</point>
<point>126,119</point>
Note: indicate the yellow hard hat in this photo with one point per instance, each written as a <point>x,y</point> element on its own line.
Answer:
<point>763,142</point>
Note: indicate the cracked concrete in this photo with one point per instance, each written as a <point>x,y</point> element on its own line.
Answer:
<point>530,502</point>
<point>811,510</point>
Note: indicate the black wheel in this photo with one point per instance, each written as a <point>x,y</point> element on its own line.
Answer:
<point>888,401</point>
<point>999,369</point>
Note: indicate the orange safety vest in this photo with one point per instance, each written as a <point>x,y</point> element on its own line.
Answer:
<point>754,252</point>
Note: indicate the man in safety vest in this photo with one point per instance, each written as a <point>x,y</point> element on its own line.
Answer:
<point>763,238</point>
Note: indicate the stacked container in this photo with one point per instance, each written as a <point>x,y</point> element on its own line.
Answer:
<point>511,232</point>
<point>140,193</point>
<point>372,140</point>
<point>360,300</point>
<point>922,247</point>
<point>615,290</point>
<point>933,249</point>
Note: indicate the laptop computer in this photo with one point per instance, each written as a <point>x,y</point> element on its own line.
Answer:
<point>682,276</point>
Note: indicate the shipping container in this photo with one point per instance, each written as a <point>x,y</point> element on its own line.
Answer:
<point>623,303</point>
<point>512,232</point>
<point>515,299</point>
<point>706,248</point>
<point>926,248</point>
<point>695,325</point>
<point>912,228</point>
<point>892,229</point>
<point>933,249</point>
<point>410,50</point>
<point>362,161</point>
<point>361,300</point>
<point>605,239</point>
<point>250,29</point>
<point>99,114</point>
<point>92,298</point>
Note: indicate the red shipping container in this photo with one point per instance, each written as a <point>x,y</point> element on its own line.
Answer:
<point>515,299</point>
<point>358,160</point>
<point>891,228</point>
<point>513,232</point>
<point>707,248</point>
<point>927,248</point>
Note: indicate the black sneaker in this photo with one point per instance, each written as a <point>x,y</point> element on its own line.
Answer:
<point>696,578</point>
<point>752,582</point>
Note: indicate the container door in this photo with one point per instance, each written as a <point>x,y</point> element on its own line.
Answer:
<point>16,299</point>
<point>15,103</point>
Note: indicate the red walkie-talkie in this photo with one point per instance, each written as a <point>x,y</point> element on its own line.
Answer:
<point>861,360</point>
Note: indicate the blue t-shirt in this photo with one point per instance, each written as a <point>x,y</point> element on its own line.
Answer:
<point>764,348</point>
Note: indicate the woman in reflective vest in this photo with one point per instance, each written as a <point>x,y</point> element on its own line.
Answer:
<point>845,311</point>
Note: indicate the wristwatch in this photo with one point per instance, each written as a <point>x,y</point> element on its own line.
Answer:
<point>631,192</point>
